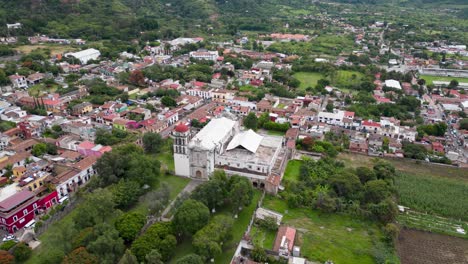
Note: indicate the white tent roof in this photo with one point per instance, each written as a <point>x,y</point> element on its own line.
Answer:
<point>249,140</point>
<point>393,84</point>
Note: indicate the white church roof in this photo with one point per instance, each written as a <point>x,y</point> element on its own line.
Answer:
<point>213,133</point>
<point>248,139</point>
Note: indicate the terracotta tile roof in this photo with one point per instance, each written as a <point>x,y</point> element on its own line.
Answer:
<point>16,199</point>
<point>85,163</point>
<point>289,233</point>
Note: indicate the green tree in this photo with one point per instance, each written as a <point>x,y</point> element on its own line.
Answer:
<point>453,84</point>
<point>152,142</point>
<point>240,191</point>
<point>126,193</point>
<point>108,246</point>
<point>207,241</point>
<point>211,193</point>
<point>129,225</point>
<point>385,211</point>
<point>95,209</point>
<point>80,256</point>
<point>329,107</point>
<point>39,149</point>
<point>22,252</point>
<point>365,174</point>
<point>346,184</point>
<point>190,217</point>
<point>190,259</point>
<point>128,258</point>
<point>464,123</point>
<point>376,190</point>
<point>154,257</point>
<point>259,255</point>
<point>158,237</point>
<point>251,121</point>
<point>168,101</point>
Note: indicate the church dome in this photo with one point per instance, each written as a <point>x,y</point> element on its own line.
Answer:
<point>181,128</point>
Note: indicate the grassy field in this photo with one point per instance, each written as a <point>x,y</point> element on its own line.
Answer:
<point>54,49</point>
<point>308,79</point>
<point>166,157</point>
<point>292,170</point>
<point>429,79</point>
<point>341,238</point>
<point>262,237</point>
<point>346,78</point>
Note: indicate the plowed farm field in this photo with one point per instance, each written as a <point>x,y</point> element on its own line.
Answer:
<point>418,247</point>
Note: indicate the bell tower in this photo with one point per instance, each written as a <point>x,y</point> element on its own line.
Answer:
<point>181,136</point>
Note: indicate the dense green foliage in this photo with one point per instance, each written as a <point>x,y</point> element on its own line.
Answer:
<point>326,185</point>
<point>190,217</point>
<point>129,225</point>
<point>158,237</point>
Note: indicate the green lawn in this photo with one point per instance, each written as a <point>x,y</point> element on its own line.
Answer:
<point>237,232</point>
<point>429,79</point>
<point>308,79</point>
<point>166,157</point>
<point>263,237</point>
<point>341,238</point>
<point>292,170</point>
<point>346,78</point>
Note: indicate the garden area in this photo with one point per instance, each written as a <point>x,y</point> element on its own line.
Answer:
<point>292,171</point>
<point>331,236</point>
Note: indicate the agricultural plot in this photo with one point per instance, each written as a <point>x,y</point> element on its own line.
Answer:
<point>54,49</point>
<point>445,197</point>
<point>433,223</point>
<point>418,247</point>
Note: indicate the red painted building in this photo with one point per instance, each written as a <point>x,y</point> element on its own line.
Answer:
<point>22,207</point>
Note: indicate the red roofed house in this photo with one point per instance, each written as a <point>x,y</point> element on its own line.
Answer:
<point>284,241</point>
<point>370,126</point>
<point>438,147</point>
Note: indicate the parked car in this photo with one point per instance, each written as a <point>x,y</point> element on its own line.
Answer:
<point>8,238</point>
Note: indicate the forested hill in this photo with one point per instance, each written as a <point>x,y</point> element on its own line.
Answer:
<point>127,19</point>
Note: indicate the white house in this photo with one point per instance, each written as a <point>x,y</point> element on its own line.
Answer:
<point>204,55</point>
<point>19,81</point>
<point>85,55</point>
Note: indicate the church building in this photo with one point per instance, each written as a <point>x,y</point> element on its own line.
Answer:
<point>221,144</point>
